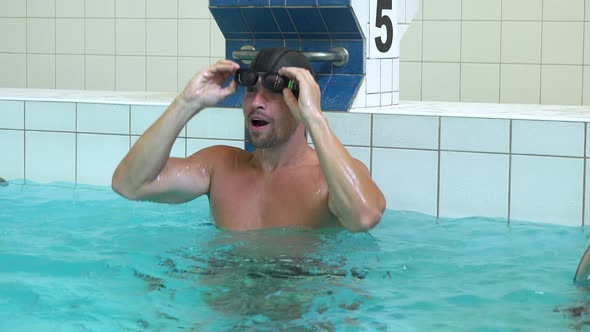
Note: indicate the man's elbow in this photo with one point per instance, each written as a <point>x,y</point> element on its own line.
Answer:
<point>368,220</point>
<point>118,186</point>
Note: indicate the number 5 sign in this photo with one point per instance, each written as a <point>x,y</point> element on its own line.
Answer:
<point>383,26</point>
<point>384,22</point>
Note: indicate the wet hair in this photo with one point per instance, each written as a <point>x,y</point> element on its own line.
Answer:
<point>272,59</point>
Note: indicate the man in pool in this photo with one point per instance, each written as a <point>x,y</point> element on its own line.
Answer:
<point>284,182</point>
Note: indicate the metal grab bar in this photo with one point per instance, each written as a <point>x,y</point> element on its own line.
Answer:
<point>338,56</point>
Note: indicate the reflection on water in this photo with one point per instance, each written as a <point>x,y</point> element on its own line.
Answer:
<point>284,278</point>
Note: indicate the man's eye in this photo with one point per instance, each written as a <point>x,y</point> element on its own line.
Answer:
<point>251,89</point>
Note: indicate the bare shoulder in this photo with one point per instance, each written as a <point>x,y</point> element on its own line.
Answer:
<point>218,155</point>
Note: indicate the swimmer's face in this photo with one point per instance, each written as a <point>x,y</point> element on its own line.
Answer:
<point>268,119</point>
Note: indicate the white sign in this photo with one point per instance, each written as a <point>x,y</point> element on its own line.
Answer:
<point>383,25</point>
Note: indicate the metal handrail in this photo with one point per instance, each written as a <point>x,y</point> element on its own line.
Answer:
<point>338,56</point>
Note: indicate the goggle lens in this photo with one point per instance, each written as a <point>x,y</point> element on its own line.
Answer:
<point>271,81</point>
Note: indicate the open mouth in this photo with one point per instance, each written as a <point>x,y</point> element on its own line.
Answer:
<point>257,123</point>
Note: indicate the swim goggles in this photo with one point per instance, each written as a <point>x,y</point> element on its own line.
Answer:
<point>272,81</point>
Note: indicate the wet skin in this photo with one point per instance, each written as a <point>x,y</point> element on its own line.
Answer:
<point>283,183</point>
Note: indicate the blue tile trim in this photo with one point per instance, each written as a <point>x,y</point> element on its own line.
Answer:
<point>340,20</point>
<point>318,46</point>
<point>304,25</point>
<point>322,81</point>
<point>307,20</point>
<point>260,20</point>
<point>283,20</point>
<point>234,45</point>
<point>356,53</point>
<point>334,3</point>
<point>237,35</point>
<point>229,19</point>
<point>223,3</point>
<point>261,44</point>
<point>254,2</point>
<point>293,44</point>
<point>302,3</point>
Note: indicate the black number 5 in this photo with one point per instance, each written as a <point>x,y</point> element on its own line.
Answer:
<point>380,22</point>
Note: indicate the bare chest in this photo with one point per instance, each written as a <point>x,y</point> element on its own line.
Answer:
<point>249,200</point>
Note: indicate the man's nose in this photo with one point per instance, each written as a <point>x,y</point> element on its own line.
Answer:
<point>260,96</point>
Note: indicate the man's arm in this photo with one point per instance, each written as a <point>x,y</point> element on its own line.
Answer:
<point>353,196</point>
<point>147,172</point>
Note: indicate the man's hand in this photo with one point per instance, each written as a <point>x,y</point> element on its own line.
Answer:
<point>309,102</point>
<point>206,88</point>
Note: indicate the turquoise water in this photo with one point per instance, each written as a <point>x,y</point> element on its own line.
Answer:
<point>88,260</point>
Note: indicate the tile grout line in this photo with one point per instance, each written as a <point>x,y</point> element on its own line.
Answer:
<point>583,56</point>
<point>584,175</point>
<point>371,145</point>
<point>26,46</point>
<point>422,52</point>
<point>76,146</point>
<point>500,56</point>
<point>460,52</point>
<point>438,168</point>
<point>541,59</point>
<point>509,170</point>
<point>24,142</point>
<point>85,55</point>
<point>146,46</point>
<point>54,45</point>
<point>129,129</point>
<point>115,47</point>
<point>585,129</point>
<point>178,45</point>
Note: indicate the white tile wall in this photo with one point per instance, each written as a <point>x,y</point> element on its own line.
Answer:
<point>408,178</point>
<point>178,148</point>
<point>161,73</point>
<point>547,189</point>
<point>351,129</point>
<point>561,85</point>
<point>69,8</point>
<point>476,135</point>
<point>98,156</point>
<point>12,114</point>
<point>473,184</point>
<point>361,153</point>
<point>548,138</point>
<point>217,123</point>
<point>50,116</point>
<point>50,157</point>
<point>41,71</point>
<point>69,72</point>
<point>69,36</point>
<point>401,131</point>
<point>480,82</point>
<point>13,38</point>
<point>482,10</point>
<point>12,145</point>
<point>143,116</point>
<point>11,8</point>
<point>100,72</point>
<point>103,118</point>
<point>478,162</point>
<point>130,73</point>
<point>505,33</point>
<point>441,81</point>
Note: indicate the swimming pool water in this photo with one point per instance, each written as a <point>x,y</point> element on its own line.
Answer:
<point>88,260</point>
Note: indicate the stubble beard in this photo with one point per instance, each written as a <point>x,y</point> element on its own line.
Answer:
<point>261,141</point>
